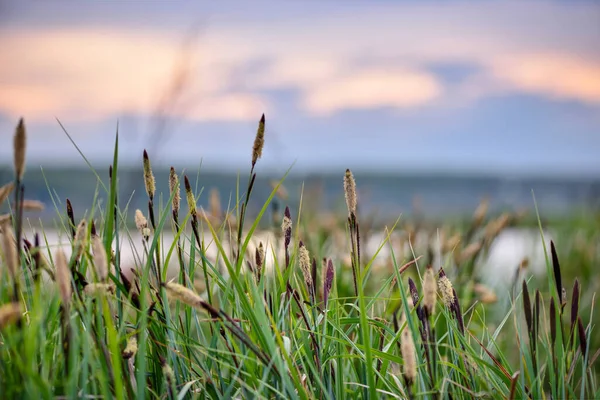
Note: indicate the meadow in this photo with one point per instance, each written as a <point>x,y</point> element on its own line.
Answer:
<point>279,300</point>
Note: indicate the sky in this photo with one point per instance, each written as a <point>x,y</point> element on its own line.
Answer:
<point>500,87</point>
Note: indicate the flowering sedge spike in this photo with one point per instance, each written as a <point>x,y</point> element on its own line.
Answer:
<point>429,291</point>
<point>445,288</point>
<point>141,223</point>
<point>149,181</point>
<point>19,146</point>
<point>191,201</point>
<point>174,187</point>
<point>259,141</point>
<point>329,276</point>
<point>100,259</point>
<point>350,193</point>
<point>63,276</point>
<point>9,248</point>
<point>304,258</point>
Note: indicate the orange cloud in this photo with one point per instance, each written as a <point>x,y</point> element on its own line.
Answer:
<point>554,75</point>
<point>373,88</point>
<point>86,74</point>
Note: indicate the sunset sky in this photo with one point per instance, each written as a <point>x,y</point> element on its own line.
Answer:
<point>452,86</point>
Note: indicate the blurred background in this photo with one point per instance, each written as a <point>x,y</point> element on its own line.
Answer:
<point>434,106</point>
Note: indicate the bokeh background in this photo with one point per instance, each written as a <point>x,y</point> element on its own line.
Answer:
<point>435,104</point>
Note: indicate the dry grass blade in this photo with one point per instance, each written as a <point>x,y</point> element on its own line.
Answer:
<point>5,191</point>
<point>32,205</point>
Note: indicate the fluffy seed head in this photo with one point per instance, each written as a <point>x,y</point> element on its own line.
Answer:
<point>445,288</point>
<point>183,294</point>
<point>329,276</point>
<point>80,242</point>
<point>407,348</point>
<point>9,313</point>
<point>63,276</point>
<point>259,141</point>
<point>5,191</point>
<point>304,258</point>
<point>174,187</point>
<point>96,289</point>
<point>131,348</point>
<point>100,259</point>
<point>429,290</point>
<point>286,226</point>
<point>350,192</point>
<point>191,201</point>
<point>149,181</point>
<point>141,223</point>
<point>20,144</point>
<point>9,248</point>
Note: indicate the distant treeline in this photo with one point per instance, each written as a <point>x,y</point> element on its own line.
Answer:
<point>386,194</point>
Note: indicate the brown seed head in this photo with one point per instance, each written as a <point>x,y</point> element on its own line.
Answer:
<point>174,187</point>
<point>183,294</point>
<point>350,193</point>
<point>5,191</point>
<point>191,201</point>
<point>80,241</point>
<point>9,249</point>
<point>63,276</point>
<point>304,258</point>
<point>407,348</point>
<point>9,314</point>
<point>286,226</point>
<point>20,144</point>
<point>141,223</point>
<point>259,141</point>
<point>97,289</point>
<point>33,205</point>
<point>149,181</point>
<point>100,259</point>
<point>445,288</point>
<point>131,348</point>
<point>329,276</point>
<point>429,290</point>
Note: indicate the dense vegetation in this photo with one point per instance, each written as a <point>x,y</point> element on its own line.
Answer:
<point>302,316</point>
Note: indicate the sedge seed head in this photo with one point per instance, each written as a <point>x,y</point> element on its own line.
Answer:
<point>446,289</point>
<point>141,223</point>
<point>149,181</point>
<point>304,258</point>
<point>191,201</point>
<point>350,192</point>
<point>5,191</point>
<point>63,276</point>
<point>183,294</point>
<point>429,290</point>
<point>131,348</point>
<point>19,146</point>
<point>174,187</point>
<point>259,141</point>
<point>9,314</point>
<point>100,259</point>
<point>9,248</point>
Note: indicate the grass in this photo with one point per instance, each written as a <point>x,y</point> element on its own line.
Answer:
<point>292,318</point>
